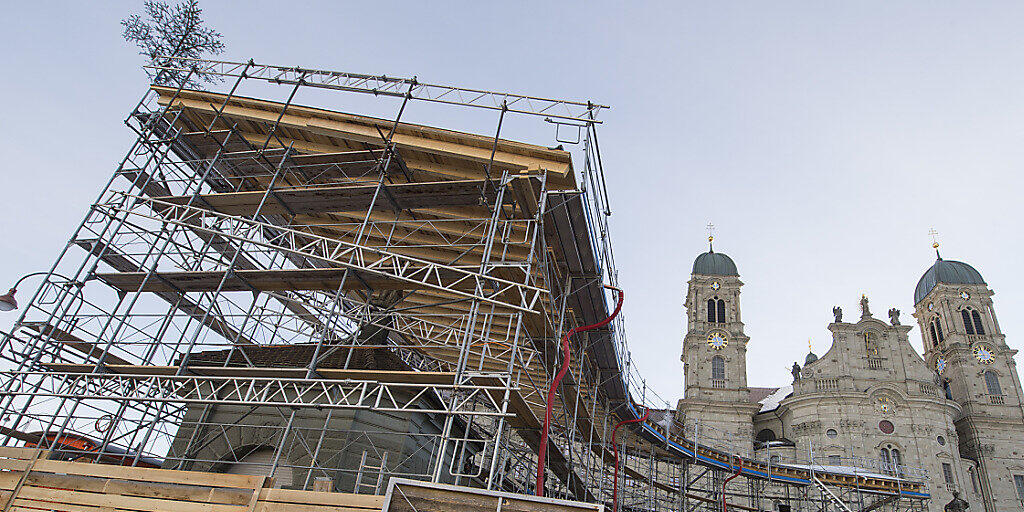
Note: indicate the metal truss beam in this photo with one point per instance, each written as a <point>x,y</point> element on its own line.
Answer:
<point>426,274</point>
<point>373,395</point>
<point>380,85</point>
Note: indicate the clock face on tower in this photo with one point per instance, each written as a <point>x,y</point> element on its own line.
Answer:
<point>940,365</point>
<point>717,340</point>
<point>715,286</point>
<point>983,354</point>
<point>964,295</point>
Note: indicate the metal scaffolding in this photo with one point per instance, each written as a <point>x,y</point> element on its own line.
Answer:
<point>263,286</point>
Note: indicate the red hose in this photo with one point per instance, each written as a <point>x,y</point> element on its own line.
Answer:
<point>739,469</point>
<point>615,449</point>
<point>567,358</point>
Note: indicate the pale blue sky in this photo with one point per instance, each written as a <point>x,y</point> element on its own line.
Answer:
<point>823,139</point>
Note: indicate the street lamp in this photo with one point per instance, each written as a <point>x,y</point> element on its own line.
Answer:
<point>7,300</point>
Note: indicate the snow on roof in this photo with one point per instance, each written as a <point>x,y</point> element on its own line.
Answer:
<point>843,470</point>
<point>772,401</point>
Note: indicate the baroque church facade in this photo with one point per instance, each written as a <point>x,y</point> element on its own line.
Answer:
<point>953,417</point>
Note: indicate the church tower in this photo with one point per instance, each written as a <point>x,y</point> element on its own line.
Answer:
<point>965,346</point>
<point>715,352</point>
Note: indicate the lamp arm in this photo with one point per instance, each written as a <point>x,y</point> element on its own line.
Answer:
<point>26,276</point>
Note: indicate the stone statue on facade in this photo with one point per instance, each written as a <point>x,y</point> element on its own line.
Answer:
<point>838,312</point>
<point>894,316</point>
<point>956,504</point>
<point>795,371</point>
<point>864,311</point>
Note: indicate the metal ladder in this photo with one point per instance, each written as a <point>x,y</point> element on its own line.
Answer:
<point>365,470</point>
<point>827,492</point>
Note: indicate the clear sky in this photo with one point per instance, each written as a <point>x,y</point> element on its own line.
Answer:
<point>824,139</point>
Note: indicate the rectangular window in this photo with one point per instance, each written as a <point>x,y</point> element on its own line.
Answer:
<point>834,460</point>
<point>974,479</point>
<point>1018,480</point>
<point>947,472</point>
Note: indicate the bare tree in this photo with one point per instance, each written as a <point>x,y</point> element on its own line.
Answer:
<point>173,32</point>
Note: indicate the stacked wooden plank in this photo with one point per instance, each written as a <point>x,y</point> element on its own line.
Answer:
<point>30,482</point>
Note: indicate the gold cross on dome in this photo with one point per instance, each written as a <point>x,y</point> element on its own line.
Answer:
<point>711,232</point>
<point>935,238</point>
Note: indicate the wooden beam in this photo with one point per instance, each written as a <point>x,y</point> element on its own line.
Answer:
<point>404,196</point>
<point>121,263</point>
<point>89,350</point>
<point>362,129</point>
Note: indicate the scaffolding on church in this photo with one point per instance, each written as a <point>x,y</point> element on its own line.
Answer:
<point>263,286</point>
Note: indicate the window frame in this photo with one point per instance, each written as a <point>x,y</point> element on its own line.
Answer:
<point>992,381</point>
<point>979,328</point>
<point>718,365</point>
<point>947,473</point>
<point>937,324</point>
<point>968,321</point>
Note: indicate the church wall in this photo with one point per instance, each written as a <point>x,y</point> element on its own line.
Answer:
<point>869,381</point>
<point>872,394</point>
<point>991,427</point>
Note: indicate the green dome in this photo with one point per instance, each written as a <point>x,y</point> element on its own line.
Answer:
<point>810,358</point>
<point>948,272</point>
<point>714,263</point>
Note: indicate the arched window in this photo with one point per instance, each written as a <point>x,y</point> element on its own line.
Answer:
<point>978,328</point>
<point>886,460</point>
<point>992,383</point>
<point>259,461</point>
<point>937,327</point>
<point>897,460</point>
<point>968,322</point>
<point>766,435</point>
<point>718,367</point>
<point>947,389</point>
<point>935,339</point>
<point>716,310</point>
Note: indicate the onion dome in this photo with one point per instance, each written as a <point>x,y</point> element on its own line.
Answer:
<point>714,263</point>
<point>947,272</point>
<point>810,358</point>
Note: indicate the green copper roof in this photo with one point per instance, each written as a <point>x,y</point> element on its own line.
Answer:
<point>714,263</point>
<point>945,271</point>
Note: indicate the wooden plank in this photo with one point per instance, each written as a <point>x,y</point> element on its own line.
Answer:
<point>89,350</point>
<point>270,506</point>
<point>363,130</point>
<point>36,452</point>
<point>407,496</point>
<point>147,474</point>
<point>9,480</point>
<point>255,498</point>
<point>401,196</point>
<point>27,505</point>
<point>119,502</point>
<point>122,263</point>
<point>339,499</point>
<point>170,491</point>
<point>16,452</point>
